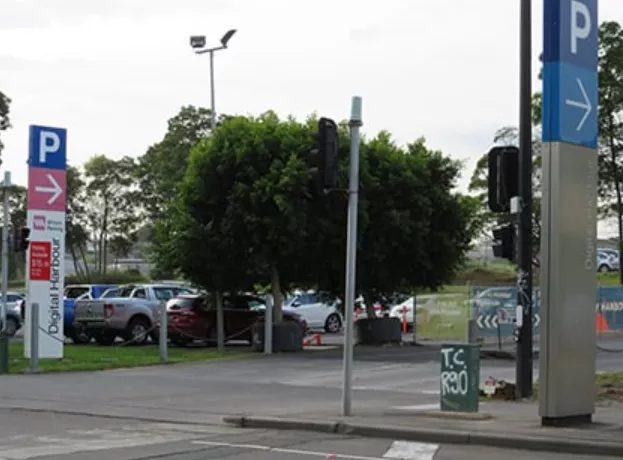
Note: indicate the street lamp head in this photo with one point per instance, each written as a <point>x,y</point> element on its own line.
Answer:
<point>230,33</point>
<point>198,41</point>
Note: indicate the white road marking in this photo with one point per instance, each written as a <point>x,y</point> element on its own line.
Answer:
<point>403,450</point>
<point>279,450</point>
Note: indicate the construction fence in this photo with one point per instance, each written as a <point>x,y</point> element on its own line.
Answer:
<point>445,317</point>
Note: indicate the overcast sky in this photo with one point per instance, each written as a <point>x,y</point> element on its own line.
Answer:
<point>113,71</point>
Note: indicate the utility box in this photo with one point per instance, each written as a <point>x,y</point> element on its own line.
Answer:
<point>460,377</point>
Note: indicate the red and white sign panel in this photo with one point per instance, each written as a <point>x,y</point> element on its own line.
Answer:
<point>40,259</point>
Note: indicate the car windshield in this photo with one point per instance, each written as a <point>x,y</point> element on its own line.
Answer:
<point>125,291</point>
<point>110,293</point>
<point>73,292</point>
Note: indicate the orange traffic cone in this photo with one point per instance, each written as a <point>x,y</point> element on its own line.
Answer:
<point>600,322</point>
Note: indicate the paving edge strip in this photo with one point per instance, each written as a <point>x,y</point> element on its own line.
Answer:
<point>508,440</point>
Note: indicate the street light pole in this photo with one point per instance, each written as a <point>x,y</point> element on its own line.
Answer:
<point>198,42</point>
<point>212,102</point>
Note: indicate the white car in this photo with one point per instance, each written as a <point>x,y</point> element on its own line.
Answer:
<point>319,310</point>
<point>403,309</point>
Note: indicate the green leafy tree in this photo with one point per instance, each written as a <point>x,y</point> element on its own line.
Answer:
<point>244,202</point>
<point>77,234</point>
<point>161,170</point>
<point>111,203</point>
<point>17,209</point>
<point>611,124</point>
<point>5,122</point>
<point>413,230</point>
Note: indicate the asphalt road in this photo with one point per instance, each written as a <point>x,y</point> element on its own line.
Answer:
<point>69,437</point>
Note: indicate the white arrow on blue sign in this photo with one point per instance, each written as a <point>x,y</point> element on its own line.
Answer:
<point>570,77</point>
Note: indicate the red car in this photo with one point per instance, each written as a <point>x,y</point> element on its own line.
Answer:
<point>193,318</point>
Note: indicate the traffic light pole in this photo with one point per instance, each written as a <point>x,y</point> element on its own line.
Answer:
<point>4,339</point>
<point>524,279</point>
<point>355,124</point>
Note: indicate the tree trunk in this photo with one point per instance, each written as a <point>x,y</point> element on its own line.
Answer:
<point>74,258</point>
<point>275,286</point>
<point>220,321</point>
<point>617,186</point>
<point>368,300</point>
<point>85,262</point>
<point>104,238</point>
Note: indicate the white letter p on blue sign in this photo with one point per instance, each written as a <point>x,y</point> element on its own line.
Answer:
<point>49,142</point>
<point>580,30</point>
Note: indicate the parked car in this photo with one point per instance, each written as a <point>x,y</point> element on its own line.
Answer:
<point>14,319</point>
<point>72,293</point>
<point>403,309</point>
<point>610,252</point>
<point>319,310</point>
<point>192,317</point>
<point>131,315</point>
<point>607,263</point>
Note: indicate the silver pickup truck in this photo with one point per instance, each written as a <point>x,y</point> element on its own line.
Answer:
<point>132,315</point>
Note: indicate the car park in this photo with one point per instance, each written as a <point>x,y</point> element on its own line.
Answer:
<point>193,317</point>
<point>321,311</point>
<point>131,315</point>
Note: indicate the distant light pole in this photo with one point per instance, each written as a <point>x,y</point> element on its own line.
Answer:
<point>198,43</point>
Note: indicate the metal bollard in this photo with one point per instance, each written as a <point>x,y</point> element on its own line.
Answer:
<point>163,336</point>
<point>34,338</point>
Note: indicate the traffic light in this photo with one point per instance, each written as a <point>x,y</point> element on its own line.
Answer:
<point>22,239</point>
<point>328,152</point>
<point>504,242</point>
<point>503,179</point>
<point>323,160</point>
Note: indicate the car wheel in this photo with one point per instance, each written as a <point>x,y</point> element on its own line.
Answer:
<point>78,335</point>
<point>181,341</point>
<point>603,268</point>
<point>11,327</point>
<point>333,324</point>
<point>138,331</point>
<point>105,338</point>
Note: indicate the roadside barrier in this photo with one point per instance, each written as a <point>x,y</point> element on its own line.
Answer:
<point>441,317</point>
<point>405,324</point>
<point>312,339</point>
<point>494,308</point>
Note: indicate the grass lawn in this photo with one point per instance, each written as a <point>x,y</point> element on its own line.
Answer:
<point>92,357</point>
<point>610,386</point>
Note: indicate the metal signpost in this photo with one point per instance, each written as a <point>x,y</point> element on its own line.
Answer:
<point>47,170</point>
<point>569,212</point>
<point>4,340</point>
<point>351,256</point>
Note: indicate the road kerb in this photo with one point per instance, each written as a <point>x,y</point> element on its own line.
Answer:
<point>282,423</point>
<point>437,436</point>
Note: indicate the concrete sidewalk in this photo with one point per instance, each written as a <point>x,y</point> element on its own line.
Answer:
<point>499,424</point>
